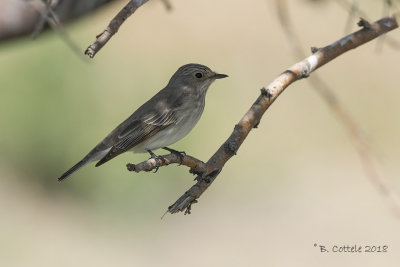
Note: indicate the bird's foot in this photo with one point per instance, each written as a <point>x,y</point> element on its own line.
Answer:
<point>180,154</point>
<point>157,159</point>
<point>131,167</point>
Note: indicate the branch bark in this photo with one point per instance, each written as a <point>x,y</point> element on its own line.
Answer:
<point>327,93</point>
<point>268,95</point>
<point>113,27</point>
<point>196,166</point>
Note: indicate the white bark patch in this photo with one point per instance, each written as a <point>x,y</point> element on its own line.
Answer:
<point>313,62</point>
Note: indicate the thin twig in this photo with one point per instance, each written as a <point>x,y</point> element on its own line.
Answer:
<point>353,10</point>
<point>44,16</point>
<point>48,15</point>
<point>393,43</point>
<point>196,166</point>
<point>113,27</point>
<point>365,154</point>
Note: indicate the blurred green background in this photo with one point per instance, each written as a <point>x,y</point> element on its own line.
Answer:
<point>296,180</point>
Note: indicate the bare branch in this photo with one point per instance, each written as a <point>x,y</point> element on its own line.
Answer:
<point>268,95</point>
<point>361,146</point>
<point>196,166</point>
<point>113,27</point>
<point>345,4</point>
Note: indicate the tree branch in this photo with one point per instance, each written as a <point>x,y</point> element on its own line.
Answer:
<point>23,17</point>
<point>361,145</point>
<point>268,95</point>
<point>113,27</point>
<point>196,166</point>
<point>354,10</point>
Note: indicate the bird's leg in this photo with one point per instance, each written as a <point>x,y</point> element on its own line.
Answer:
<point>180,154</point>
<point>156,158</point>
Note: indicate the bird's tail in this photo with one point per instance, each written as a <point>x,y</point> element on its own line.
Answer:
<point>76,167</point>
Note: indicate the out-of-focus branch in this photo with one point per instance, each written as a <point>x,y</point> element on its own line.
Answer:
<point>367,158</point>
<point>21,17</point>
<point>113,27</point>
<point>268,95</point>
<point>167,4</point>
<point>354,10</point>
<point>49,16</point>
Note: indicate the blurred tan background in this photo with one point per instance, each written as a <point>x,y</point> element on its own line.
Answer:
<point>296,181</point>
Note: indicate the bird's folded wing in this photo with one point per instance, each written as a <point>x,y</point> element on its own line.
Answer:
<point>138,131</point>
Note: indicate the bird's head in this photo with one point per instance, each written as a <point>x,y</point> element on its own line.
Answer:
<point>195,76</point>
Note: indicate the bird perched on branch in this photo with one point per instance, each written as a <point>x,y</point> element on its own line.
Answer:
<point>163,120</point>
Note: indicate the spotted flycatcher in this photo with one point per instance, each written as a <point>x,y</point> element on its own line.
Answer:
<point>163,120</point>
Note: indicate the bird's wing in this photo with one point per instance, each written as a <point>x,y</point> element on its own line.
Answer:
<point>135,132</point>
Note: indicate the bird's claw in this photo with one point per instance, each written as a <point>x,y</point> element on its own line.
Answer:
<point>157,159</point>
<point>131,167</point>
<point>180,154</point>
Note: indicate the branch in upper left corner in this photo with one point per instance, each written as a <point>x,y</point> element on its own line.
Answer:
<point>113,27</point>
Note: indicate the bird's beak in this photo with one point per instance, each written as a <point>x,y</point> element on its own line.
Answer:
<point>219,76</point>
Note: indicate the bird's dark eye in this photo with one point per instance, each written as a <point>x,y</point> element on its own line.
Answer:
<point>198,75</point>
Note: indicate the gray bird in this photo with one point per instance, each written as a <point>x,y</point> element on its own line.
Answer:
<point>163,120</point>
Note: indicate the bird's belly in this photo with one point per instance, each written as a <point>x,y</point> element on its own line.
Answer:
<point>169,135</point>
